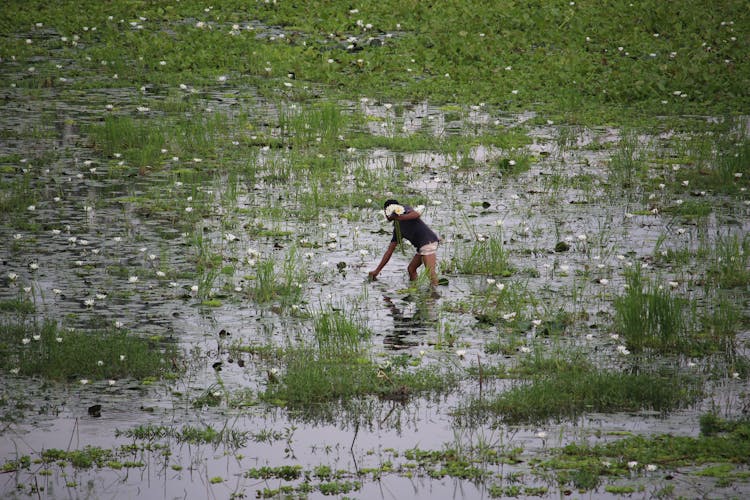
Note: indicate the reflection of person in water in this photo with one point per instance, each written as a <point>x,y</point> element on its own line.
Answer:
<point>405,327</point>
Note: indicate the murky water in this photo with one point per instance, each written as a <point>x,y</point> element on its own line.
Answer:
<point>90,242</point>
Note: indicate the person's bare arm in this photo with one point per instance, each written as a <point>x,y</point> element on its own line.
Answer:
<point>407,216</point>
<point>386,257</point>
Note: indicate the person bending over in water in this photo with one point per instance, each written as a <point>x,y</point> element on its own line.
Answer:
<point>408,225</point>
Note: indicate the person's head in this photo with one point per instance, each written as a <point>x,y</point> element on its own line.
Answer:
<point>389,203</point>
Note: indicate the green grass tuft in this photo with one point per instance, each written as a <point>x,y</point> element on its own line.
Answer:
<point>50,352</point>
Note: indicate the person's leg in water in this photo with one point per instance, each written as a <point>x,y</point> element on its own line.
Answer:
<point>429,261</point>
<point>414,264</point>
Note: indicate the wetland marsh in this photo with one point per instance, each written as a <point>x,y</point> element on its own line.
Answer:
<point>191,199</point>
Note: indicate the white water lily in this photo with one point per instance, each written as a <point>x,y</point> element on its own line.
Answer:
<point>525,350</point>
<point>623,350</point>
<point>490,281</point>
<point>632,465</point>
<point>500,286</point>
<point>133,279</point>
<point>122,357</point>
<point>15,371</point>
<point>461,353</point>
<point>25,341</point>
<point>58,340</point>
<point>160,274</point>
<point>100,363</point>
<point>541,435</point>
<point>509,316</point>
<point>651,467</point>
<point>394,209</point>
<point>111,382</point>
<point>12,276</point>
<point>84,381</point>
<point>419,209</point>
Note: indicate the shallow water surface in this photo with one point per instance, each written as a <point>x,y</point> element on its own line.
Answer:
<point>101,232</point>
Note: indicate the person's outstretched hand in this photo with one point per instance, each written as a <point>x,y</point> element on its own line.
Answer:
<point>372,275</point>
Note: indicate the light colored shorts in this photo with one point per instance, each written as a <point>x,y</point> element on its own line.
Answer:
<point>428,249</point>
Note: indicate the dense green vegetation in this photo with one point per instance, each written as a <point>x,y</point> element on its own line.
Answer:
<point>572,58</point>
